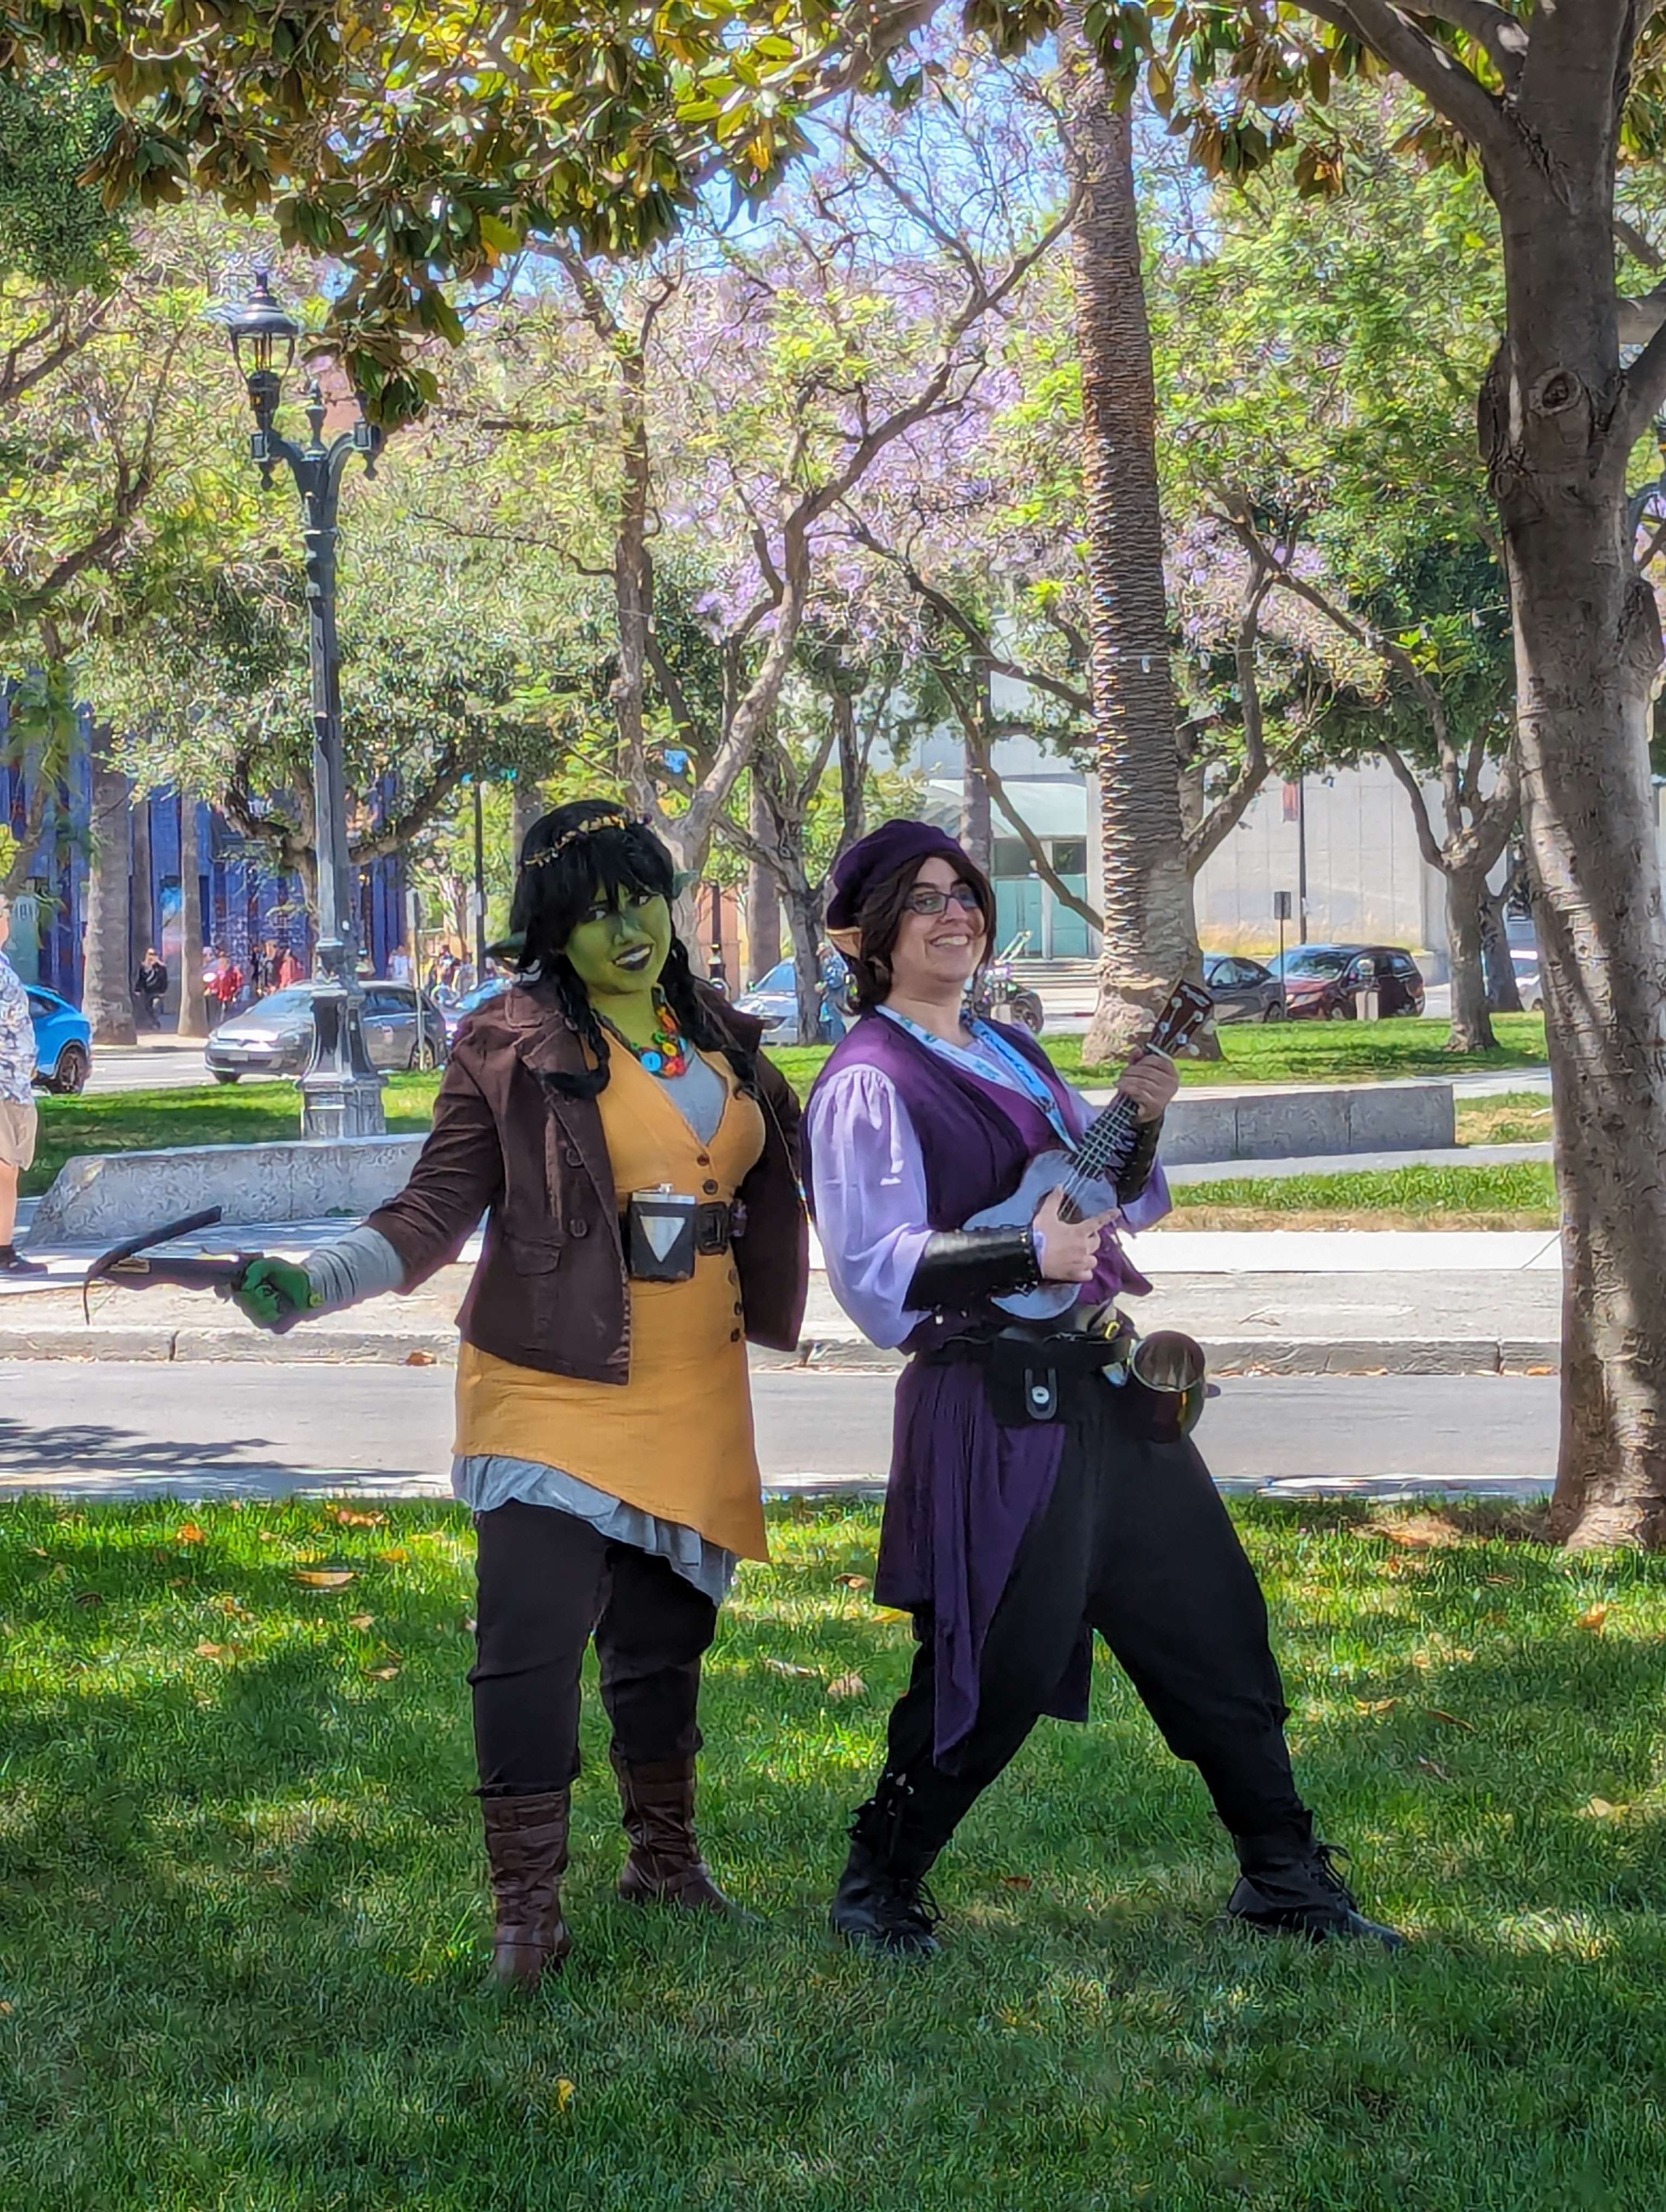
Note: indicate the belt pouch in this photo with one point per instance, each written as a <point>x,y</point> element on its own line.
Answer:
<point>660,1236</point>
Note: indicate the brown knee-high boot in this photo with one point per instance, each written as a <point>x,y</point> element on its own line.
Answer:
<point>664,1866</point>
<point>527,1850</point>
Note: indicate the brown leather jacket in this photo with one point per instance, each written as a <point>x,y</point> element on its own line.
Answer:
<point>551,1291</point>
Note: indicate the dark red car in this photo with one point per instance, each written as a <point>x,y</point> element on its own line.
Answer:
<point>1321,982</point>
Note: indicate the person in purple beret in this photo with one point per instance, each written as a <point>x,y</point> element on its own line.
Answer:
<point>1018,1523</point>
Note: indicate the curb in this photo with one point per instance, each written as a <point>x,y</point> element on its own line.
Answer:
<point>1244,1355</point>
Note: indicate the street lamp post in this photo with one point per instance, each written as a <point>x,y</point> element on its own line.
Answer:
<point>341,1092</point>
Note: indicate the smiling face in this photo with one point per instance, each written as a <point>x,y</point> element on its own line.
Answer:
<point>937,953</point>
<point>618,950</point>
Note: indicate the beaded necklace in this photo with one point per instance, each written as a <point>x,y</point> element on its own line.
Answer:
<point>666,1051</point>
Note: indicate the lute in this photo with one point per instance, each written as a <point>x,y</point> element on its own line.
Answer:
<point>1099,1157</point>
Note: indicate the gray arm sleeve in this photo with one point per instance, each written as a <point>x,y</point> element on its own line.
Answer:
<point>359,1266</point>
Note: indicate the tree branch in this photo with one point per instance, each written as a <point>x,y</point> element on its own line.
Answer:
<point>1502,37</point>
<point>1451,90</point>
<point>1222,818</point>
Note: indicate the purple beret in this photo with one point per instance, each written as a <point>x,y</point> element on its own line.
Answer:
<point>879,854</point>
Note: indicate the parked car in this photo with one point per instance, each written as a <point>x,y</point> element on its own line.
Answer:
<point>1243,990</point>
<point>63,1042</point>
<point>1529,987</point>
<point>403,1028</point>
<point>775,999</point>
<point>454,1009</point>
<point>1320,981</point>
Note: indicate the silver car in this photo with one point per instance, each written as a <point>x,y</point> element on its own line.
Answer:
<point>775,999</point>
<point>403,1028</point>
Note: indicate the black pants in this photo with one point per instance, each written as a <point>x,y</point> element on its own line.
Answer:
<point>548,1583</point>
<point>1136,1543</point>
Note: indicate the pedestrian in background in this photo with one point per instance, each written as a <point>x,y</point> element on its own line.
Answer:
<point>150,986</point>
<point>289,970</point>
<point>18,1116</point>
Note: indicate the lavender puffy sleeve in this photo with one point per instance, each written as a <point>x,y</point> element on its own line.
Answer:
<point>869,1200</point>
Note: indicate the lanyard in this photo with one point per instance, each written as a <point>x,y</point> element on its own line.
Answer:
<point>1021,1075</point>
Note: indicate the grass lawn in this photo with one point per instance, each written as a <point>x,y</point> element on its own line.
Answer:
<point>214,1114</point>
<point>243,1918</point>
<point>1510,1117</point>
<point>1294,1051</point>
<point>1521,1195</point>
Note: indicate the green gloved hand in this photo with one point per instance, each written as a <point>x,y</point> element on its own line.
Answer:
<point>272,1290</point>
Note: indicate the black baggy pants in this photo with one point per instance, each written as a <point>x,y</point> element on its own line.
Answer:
<point>1134,1542</point>
<point>547,1583</point>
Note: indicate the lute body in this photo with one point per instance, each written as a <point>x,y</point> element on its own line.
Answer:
<point>1102,1152</point>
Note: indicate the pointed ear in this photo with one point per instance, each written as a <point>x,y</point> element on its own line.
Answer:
<point>847,941</point>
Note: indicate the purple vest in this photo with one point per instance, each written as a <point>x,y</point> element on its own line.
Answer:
<point>963,1490</point>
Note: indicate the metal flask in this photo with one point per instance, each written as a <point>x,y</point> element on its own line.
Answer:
<point>1166,1387</point>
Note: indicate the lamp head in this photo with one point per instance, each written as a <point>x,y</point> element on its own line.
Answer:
<point>263,337</point>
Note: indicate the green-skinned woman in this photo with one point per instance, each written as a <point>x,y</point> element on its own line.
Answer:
<point>637,1167</point>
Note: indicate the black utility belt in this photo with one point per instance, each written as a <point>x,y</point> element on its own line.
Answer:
<point>1031,1373</point>
<point>667,1230</point>
<point>1028,1371</point>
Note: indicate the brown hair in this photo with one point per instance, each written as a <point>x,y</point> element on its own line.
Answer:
<point>880,918</point>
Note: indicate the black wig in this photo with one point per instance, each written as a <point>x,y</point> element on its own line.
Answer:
<point>611,854</point>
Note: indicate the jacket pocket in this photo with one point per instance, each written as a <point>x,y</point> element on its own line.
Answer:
<point>534,1255</point>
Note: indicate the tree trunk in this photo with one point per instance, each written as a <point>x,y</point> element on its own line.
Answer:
<point>141,914</point>
<point>977,834</point>
<point>1149,935</point>
<point>1503,996</point>
<point>1588,645</point>
<point>193,999</point>
<point>107,989</point>
<point>763,898</point>
<point>804,913</point>
<point>525,804</point>
<point>1471,1027</point>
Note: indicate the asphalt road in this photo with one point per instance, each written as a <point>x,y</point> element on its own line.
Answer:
<point>107,1429</point>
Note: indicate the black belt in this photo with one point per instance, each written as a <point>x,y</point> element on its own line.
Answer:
<point>1029,1366</point>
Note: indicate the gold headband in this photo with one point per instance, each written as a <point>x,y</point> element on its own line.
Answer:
<point>616,820</point>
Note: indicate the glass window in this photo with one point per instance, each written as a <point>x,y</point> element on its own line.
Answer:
<point>1008,857</point>
<point>295,1001</point>
<point>1070,855</point>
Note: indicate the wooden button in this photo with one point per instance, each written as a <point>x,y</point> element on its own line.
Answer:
<point>734,1336</point>
<point>709,1185</point>
<point>704,1159</point>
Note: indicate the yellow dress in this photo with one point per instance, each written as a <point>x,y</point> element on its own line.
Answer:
<point>677,1439</point>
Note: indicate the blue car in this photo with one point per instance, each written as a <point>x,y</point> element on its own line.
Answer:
<point>63,1042</point>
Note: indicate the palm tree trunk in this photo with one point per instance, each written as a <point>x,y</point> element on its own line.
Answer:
<point>1150,934</point>
<point>107,991</point>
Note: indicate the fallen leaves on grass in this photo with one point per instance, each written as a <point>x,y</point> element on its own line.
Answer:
<point>847,1686</point>
<point>207,1651</point>
<point>1593,1618</point>
<point>361,1619</point>
<point>189,1533</point>
<point>1433,1767</point>
<point>324,1577</point>
<point>395,1556</point>
<point>1598,1809</point>
<point>1017,1882</point>
<point>381,1674</point>
<point>786,1666</point>
<point>852,1582</point>
<point>419,1359</point>
<point>88,1598</point>
<point>564,2094</point>
<point>1450,1719</point>
<point>348,1516</point>
<point>1375,1704</point>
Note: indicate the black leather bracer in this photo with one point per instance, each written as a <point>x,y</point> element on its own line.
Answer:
<point>961,1266</point>
<point>1141,1162</point>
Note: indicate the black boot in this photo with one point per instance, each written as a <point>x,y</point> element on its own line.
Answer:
<point>882,1902</point>
<point>1288,1886</point>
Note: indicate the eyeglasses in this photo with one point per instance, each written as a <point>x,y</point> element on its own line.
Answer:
<point>930,901</point>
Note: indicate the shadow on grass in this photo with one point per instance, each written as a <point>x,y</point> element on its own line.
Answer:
<point>241,1912</point>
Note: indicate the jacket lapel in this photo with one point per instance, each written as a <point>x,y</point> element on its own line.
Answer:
<point>546,1043</point>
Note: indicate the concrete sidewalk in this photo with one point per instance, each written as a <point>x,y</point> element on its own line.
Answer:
<point>1275,1303</point>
